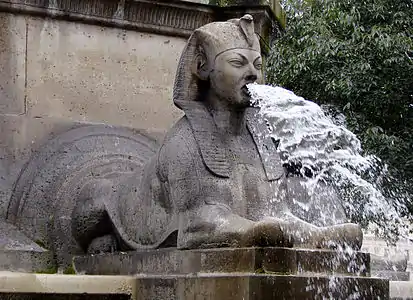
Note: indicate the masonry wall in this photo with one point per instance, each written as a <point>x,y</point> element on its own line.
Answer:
<point>55,74</point>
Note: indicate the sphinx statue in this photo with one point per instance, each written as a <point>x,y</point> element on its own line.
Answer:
<point>217,179</point>
<point>213,182</point>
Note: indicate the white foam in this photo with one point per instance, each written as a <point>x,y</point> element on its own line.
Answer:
<point>331,151</point>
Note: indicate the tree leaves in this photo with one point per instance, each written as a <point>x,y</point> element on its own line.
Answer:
<point>357,55</point>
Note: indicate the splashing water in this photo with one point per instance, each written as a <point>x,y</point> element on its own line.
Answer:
<point>328,152</point>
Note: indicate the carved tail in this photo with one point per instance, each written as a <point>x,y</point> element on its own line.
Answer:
<point>48,187</point>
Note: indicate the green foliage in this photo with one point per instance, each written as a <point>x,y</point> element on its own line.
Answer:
<point>358,56</point>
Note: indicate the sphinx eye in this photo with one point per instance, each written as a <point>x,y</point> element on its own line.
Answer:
<point>258,66</point>
<point>236,63</point>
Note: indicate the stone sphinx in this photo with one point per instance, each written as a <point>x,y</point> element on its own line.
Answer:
<point>213,182</point>
<point>216,181</point>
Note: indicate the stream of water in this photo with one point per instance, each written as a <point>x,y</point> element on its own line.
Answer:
<point>330,153</point>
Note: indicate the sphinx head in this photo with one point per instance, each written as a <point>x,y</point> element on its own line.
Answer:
<point>220,59</point>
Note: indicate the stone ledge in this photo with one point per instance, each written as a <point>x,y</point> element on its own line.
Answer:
<point>224,260</point>
<point>391,275</point>
<point>216,286</point>
<point>11,282</point>
<point>25,261</point>
<point>172,17</point>
<point>54,296</point>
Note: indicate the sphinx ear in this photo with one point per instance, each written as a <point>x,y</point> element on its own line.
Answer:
<point>200,66</point>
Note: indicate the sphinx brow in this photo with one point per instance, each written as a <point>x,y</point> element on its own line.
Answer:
<point>257,59</point>
<point>242,56</point>
<point>246,59</point>
<point>218,54</point>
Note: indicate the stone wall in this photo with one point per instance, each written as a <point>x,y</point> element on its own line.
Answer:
<point>65,63</point>
<point>55,74</point>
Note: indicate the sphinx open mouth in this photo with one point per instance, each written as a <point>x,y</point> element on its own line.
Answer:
<point>245,91</point>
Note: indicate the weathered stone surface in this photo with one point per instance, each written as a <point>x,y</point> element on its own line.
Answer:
<point>225,260</point>
<point>12,239</point>
<point>258,287</point>
<point>19,253</point>
<point>245,286</point>
<point>173,18</point>
<point>23,286</point>
<point>54,296</point>
<point>43,198</point>
<point>26,261</point>
<point>20,137</point>
<point>97,74</point>
<point>12,64</point>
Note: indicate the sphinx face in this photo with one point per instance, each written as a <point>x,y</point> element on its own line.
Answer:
<point>233,71</point>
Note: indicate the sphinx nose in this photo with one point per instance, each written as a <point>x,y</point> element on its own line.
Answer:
<point>251,77</point>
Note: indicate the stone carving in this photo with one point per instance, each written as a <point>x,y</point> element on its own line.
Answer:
<point>177,18</point>
<point>216,181</point>
<point>48,187</point>
<point>213,182</point>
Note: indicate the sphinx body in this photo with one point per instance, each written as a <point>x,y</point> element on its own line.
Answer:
<point>215,181</point>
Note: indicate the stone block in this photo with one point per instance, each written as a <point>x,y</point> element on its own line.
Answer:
<point>12,63</point>
<point>258,287</point>
<point>224,260</point>
<point>97,74</point>
<point>401,290</point>
<point>331,262</point>
<point>391,275</point>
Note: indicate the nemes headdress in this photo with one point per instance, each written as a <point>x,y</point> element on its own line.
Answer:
<point>195,64</point>
<point>209,41</point>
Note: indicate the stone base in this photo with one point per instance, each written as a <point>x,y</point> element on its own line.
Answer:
<point>241,273</point>
<point>214,286</point>
<point>285,261</point>
<point>52,296</point>
<point>259,287</point>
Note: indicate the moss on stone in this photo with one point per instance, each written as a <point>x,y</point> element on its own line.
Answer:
<point>50,270</point>
<point>69,271</point>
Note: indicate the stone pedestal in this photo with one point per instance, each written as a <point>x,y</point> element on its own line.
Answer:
<point>249,286</point>
<point>247,273</point>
